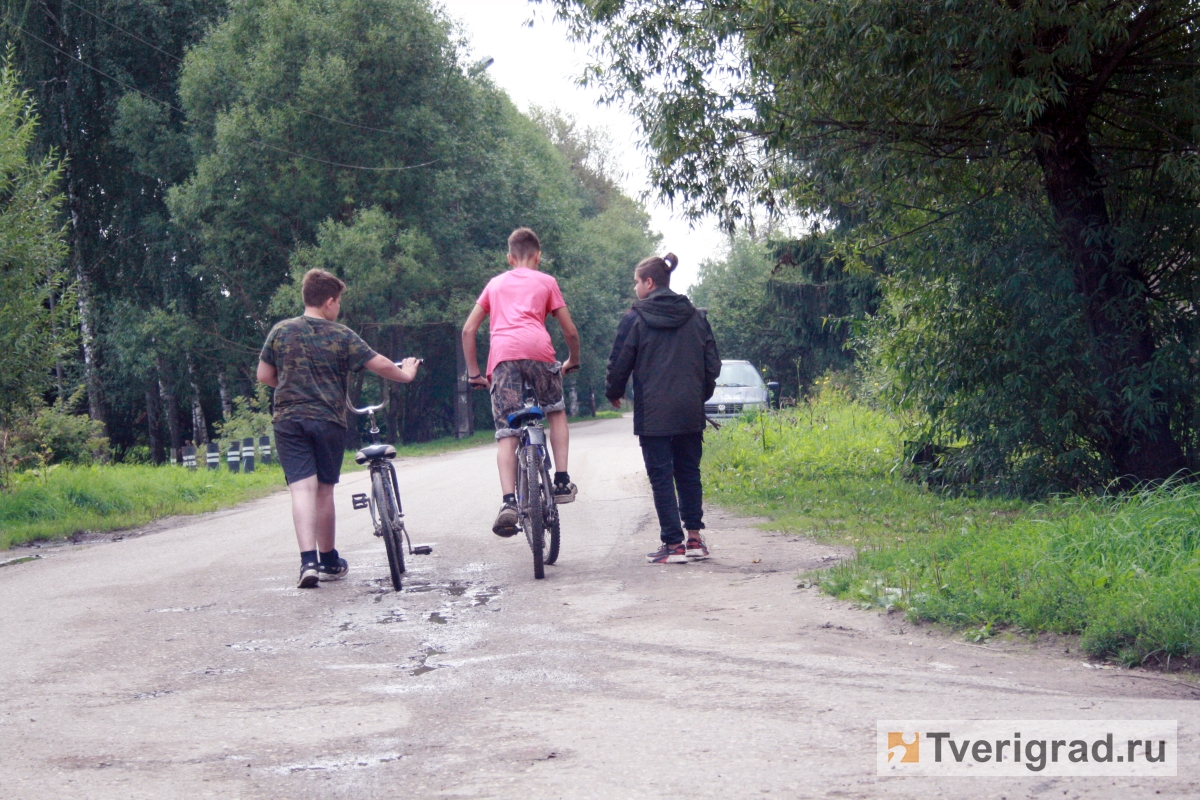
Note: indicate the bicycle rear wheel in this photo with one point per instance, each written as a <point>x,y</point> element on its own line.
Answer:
<point>389,523</point>
<point>535,493</point>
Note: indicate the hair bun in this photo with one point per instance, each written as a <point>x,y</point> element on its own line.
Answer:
<point>672,261</point>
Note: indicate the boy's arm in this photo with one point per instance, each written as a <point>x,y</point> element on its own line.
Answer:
<point>267,374</point>
<point>470,353</point>
<point>712,363</point>
<point>621,360</point>
<point>384,367</point>
<point>571,334</point>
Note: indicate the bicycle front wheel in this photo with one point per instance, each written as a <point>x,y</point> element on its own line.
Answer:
<point>389,522</point>
<point>535,531</point>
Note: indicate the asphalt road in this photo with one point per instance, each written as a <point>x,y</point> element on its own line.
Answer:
<point>184,663</point>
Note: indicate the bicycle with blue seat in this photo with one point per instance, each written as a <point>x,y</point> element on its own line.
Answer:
<point>536,509</point>
<point>387,515</point>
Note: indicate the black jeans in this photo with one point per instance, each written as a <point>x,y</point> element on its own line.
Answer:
<point>673,464</point>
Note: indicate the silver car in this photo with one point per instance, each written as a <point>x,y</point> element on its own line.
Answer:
<point>739,389</point>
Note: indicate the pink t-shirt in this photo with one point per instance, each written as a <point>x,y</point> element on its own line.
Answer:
<point>517,302</point>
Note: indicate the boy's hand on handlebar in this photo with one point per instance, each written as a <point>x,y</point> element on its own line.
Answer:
<point>409,366</point>
<point>570,366</point>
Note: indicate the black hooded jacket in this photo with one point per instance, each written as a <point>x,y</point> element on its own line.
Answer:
<point>669,349</point>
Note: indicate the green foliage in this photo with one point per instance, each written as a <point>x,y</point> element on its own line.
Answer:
<point>787,306</point>
<point>1123,572</point>
<point>74,499</point>
<point>43,435</point>
<point>35,294</point>
<point>288,100</point>
<point>1026,172</point>
<point>251,417</point>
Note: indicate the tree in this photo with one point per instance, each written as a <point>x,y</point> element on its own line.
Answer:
<point>80,63</point>
<point>787,305</point>
<point>35,292</point>
<point>348,135</point>
<point>951,134</point>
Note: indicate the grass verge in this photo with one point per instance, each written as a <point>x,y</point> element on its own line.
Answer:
<point>1123,572</point>
<point>72,499</point>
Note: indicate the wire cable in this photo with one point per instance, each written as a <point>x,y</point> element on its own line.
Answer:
<point>280,103</point>
<point>175,108</point>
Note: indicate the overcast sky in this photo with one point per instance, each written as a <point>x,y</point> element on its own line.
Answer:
<point>538,66</point>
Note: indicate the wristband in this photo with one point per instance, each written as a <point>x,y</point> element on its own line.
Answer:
<point>473,377</point>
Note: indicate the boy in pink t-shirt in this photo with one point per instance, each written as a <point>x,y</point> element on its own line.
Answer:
<point>518,302</point>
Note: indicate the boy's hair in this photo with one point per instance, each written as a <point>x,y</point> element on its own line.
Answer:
<point>523,243</point>
<point>657,269</point>
<point>319,286</point>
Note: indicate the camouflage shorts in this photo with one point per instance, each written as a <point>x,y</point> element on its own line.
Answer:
<point>508,390</point>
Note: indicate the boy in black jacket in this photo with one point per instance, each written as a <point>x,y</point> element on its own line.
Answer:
<point>669,349</point>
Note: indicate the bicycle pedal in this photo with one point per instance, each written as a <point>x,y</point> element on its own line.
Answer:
<point>422,550</point>
<point>360,501</point>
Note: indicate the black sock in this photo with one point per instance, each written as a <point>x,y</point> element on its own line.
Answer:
<point>308,556</point>
<point>330,559</point>
<point>562,478</point>
<point>510,498</point>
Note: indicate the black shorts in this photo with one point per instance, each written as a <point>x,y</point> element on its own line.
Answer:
<point>310,447</point>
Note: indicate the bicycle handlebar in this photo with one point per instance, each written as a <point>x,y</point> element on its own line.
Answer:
<point>372,409</point>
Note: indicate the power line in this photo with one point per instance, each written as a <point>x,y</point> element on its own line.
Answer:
<point>175,108</point>
<point>280,103</point>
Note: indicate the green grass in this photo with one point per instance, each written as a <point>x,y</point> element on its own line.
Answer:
<point>73,499</point>
<point>1122,572</point>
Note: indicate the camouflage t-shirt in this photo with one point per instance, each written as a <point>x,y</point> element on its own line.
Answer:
<point>313,359</point>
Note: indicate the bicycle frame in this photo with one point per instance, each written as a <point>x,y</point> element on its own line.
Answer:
<point>377,456</point>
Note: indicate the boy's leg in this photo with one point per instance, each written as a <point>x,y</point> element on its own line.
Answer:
<point>659,458</point>
<point>506,398</point>
<point>560,440</point>
<point>311,454</point>
<point>506,461</point>
<point>547,382</point>
<point>688,450</point>
<point>313,514</point>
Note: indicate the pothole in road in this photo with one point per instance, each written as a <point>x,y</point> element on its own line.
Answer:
<point>350,763</point>
<point>425,666</point>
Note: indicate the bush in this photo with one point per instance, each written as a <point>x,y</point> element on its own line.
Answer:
<point>54,434</point>
<point>250,418</point>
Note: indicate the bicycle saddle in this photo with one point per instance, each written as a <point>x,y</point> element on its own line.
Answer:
<point>371,452</point>
<point>519,418</point>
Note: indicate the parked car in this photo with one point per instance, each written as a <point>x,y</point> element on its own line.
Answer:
<point>739,389</point>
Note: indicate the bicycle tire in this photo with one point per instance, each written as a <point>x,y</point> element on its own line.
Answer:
<point>554,529</point>
<point>535,494</point>
<point>553,521</point>
<point>385,506</point>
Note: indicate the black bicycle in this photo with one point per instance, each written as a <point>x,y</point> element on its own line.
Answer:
<point>384,500</point>
<point>536,509</point>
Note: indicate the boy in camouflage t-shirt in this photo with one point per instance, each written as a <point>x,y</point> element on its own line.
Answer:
<point>308,360</point>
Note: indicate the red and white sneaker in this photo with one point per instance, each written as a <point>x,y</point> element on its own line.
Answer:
<point>668,554</point>
<point>696,548</point>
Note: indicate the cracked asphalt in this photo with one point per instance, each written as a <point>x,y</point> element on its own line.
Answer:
<point>181,661</point>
